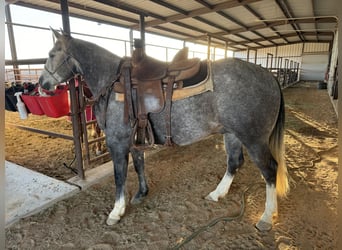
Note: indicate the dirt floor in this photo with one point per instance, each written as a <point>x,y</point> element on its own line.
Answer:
<point>179,178</point>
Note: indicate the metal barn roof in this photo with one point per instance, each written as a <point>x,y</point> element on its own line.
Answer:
<point>239,24</point>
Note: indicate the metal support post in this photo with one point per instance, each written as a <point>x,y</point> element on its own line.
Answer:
<point>248,50</point>
<point>226,50</point>
<point>142,30</point>
<point>65,16</point>
<point>131,42</point>
<point>11,39</point>
<point>209,45</point>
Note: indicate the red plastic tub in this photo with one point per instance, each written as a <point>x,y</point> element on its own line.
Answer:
<point>31,102</point>
<point>57,105</point>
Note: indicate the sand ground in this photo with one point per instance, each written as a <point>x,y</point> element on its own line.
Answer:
<point>179,178</point>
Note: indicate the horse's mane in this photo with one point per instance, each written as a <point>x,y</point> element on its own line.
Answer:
<point>91,48</point>
<point>99,66</point>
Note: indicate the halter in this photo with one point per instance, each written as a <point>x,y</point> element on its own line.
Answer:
<point>65,61</point>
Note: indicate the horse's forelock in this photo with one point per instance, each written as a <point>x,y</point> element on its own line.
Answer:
<point>64,42</point>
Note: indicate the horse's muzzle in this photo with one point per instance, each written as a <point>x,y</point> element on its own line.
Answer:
<point>45,84</point>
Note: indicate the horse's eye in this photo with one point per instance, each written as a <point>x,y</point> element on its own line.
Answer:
<point>51,54</point>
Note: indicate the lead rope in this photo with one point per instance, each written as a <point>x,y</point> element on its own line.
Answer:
<point>253,186</point>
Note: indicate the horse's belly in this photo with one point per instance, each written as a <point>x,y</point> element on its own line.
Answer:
<point>193,120</point>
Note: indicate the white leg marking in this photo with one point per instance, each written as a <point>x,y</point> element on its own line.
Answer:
<point>222,188</point>
<point>117,212</point>
<point>271,208</point>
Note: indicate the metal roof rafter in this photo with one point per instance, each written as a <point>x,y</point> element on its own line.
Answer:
<point>288,14</point>
<point>279,22</point>
<point>127,14</point>
<point>197,12</point>
<point>313,4</point>
<point>228,17</point>
<point>201,19</point>
<point>257,15</point>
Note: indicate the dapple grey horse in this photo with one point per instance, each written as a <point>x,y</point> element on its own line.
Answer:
<point>246,106</point>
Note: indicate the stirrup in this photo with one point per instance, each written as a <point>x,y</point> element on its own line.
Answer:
<point>147,138</point>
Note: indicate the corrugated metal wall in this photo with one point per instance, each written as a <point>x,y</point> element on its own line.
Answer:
<point>315,60</point>
<point>262,57</point>
<point>316,47</point>
<point>285,56</point>
<point>292,52</point>
<point>312,60</point>
<point>334,57</point>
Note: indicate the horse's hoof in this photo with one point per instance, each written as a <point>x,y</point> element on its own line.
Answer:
<point>137,200</point>
<point>112,221</point>
<point>263,226</point>
<point>139,197</point>
<point>210,198</point>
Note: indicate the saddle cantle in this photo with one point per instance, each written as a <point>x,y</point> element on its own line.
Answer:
<point>147,85</point>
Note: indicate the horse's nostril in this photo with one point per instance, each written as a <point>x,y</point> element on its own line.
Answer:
<point>45,85</point>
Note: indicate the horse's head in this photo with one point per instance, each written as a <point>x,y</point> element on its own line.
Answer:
<point>60,65</point>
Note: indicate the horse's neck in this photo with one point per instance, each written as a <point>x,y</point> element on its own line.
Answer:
<point>99,66</point>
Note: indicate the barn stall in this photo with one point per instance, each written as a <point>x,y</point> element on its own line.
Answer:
<point>280,61</point>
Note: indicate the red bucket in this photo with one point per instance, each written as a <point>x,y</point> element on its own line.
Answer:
<point>56,105</point>
<point>31,102</point>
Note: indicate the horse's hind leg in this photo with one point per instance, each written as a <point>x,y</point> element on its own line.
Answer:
<point>138,161</point>
<point>234,161</point>
<point>263,158</point>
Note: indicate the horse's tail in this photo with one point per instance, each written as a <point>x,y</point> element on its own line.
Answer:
<point>278,151</point>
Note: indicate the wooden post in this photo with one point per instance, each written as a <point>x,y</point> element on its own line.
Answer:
<point>76,127</point>
<point>75,108</point>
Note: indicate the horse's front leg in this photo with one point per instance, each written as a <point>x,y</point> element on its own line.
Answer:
<point>138,161</point>
<point>120,160</point>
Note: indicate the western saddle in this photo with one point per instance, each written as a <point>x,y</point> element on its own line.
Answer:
<point>147,85</point>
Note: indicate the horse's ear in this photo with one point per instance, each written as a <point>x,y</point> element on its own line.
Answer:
<point>56,34</point>
<point>63,33</point>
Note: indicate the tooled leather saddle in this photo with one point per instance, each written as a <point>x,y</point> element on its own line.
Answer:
<point>147,85</point>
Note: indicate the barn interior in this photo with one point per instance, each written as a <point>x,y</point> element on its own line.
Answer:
<point>296,40</point>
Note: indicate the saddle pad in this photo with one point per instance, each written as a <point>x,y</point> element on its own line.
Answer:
<point>179,94</point>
